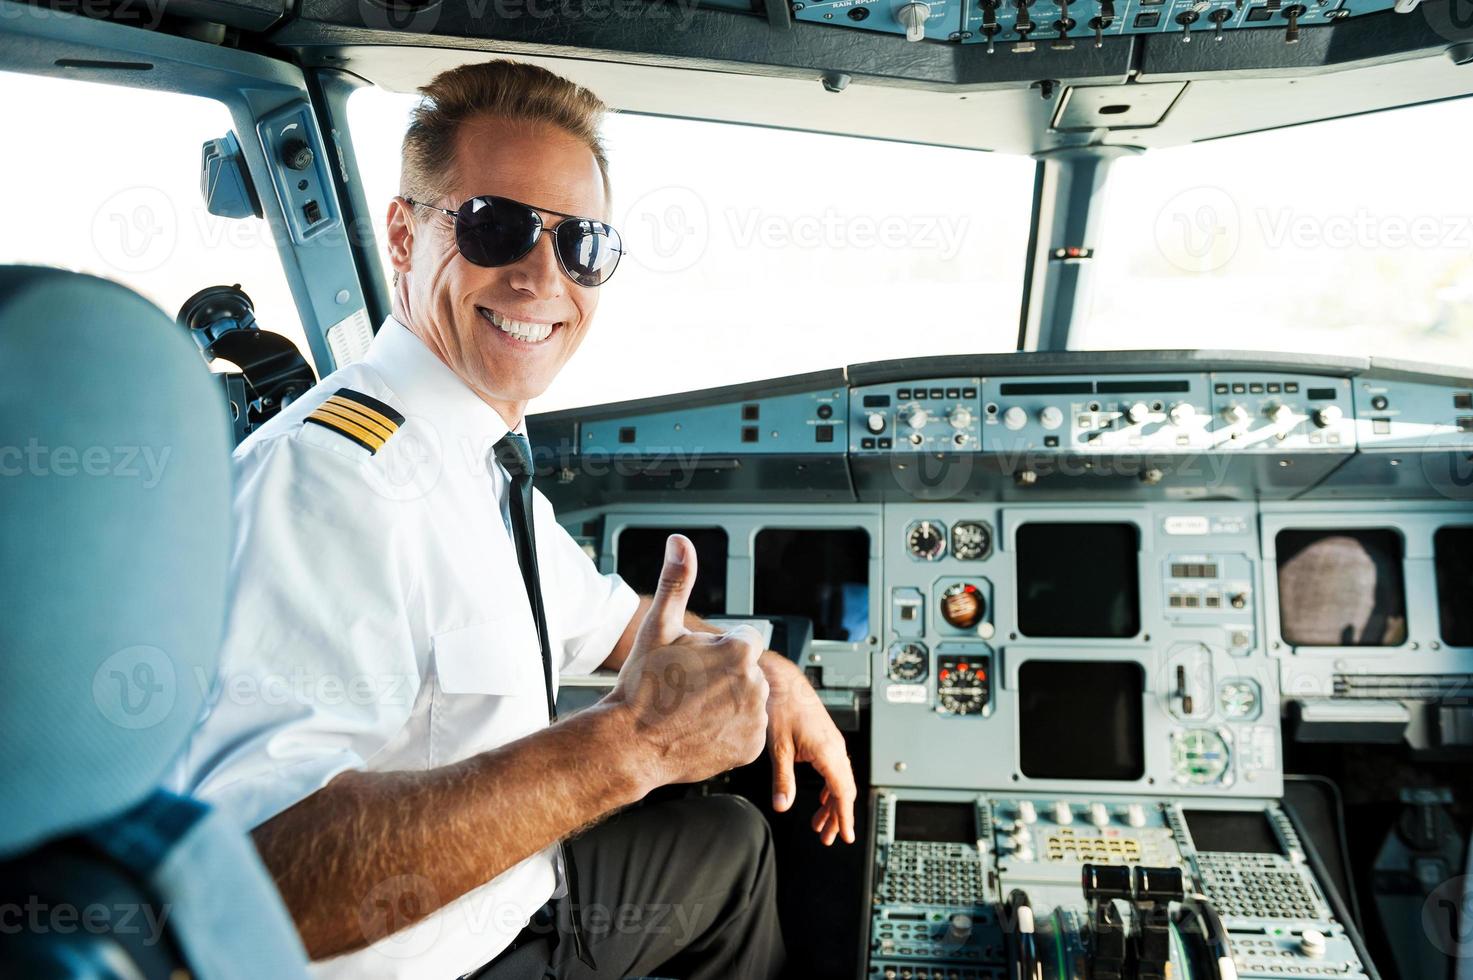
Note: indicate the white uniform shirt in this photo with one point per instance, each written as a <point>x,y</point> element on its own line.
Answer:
<point>378,621</point>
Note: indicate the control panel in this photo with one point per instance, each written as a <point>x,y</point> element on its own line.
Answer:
<point>1104,887</point>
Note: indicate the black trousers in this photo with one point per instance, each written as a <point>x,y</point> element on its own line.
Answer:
<point>683,889</point>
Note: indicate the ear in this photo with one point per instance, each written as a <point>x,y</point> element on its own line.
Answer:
<point>401,234</point>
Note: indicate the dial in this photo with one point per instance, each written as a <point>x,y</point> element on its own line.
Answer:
<point>962,685</point>
<point>1200,756</point>
<point>962,605</point>
<point>909,662</point>
<point>926,540</point>
<point>1239,699</point>
<point>971,540</point>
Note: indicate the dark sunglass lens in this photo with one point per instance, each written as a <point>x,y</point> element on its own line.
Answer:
<point>492,231</point>
<point>589,250</point>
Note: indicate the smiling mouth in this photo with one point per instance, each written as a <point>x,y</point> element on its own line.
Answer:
<point>524,330</point>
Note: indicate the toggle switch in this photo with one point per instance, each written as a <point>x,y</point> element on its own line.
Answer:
<point>1292,13</point>
<point>1219,17</point>
<point>913,17</point>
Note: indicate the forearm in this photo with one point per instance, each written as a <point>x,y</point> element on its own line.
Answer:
<point>413,841</point>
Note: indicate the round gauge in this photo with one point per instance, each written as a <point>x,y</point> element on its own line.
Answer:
<point>1239,699</point>
<point>926,540</point>
<point>961,688</point>
<point>971,540</point>
<point>909,662</point>
<point>1199,756</point>
<point>962,605</point>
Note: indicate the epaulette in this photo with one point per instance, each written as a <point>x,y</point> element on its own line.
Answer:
<point>359,417</point>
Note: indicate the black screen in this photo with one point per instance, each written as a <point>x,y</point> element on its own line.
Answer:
<point>820,574</point>
<point>642,555</point>
<point>1081,720</point>
<point>947,823</point>
<point>1078,580</point>
<point>1454,549</point>
<point>1341,588</point>
<point>1232,831</point>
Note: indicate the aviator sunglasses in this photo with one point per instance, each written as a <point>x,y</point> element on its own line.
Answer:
<point>495,231</point>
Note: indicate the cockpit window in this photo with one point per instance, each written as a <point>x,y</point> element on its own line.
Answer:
<point>757,252</point>
<point>1348,237</point>
<point>109,184</point>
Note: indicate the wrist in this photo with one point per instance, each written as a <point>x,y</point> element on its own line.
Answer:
<point>635,762</point>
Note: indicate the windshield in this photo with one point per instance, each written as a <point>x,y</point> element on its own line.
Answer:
<point>1347,237</point>
<point>755,253</point>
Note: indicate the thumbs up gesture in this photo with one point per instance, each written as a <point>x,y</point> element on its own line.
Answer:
<point>698,700</point>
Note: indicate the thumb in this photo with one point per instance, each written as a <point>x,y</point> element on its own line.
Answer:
<point>782,775</point>
<point>665,621</point>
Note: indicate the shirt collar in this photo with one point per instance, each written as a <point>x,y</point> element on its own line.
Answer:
<point>431,390</point>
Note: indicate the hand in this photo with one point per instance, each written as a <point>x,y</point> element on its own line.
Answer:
<point>698,700</point>
<point>799,729</point>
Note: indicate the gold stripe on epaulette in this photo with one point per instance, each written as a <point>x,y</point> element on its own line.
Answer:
<point>332,418</point>
<point>363,415</point>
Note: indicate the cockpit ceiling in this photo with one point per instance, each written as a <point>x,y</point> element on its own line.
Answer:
<point>1015,118</point>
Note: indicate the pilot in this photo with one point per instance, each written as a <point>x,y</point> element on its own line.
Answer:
<point>403,601</point>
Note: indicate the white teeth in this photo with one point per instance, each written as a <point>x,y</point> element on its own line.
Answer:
<point>530,332</point>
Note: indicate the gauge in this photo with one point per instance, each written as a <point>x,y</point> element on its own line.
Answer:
<point>926,540</point>
<point>909,662</point>
<point>1199,756</point>
<point>962,605</point>
<point>1239,699</point>
<point>971,540</point>
<point>962,685</point>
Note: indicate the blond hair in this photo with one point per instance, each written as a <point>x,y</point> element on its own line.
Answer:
<point>513,90</point>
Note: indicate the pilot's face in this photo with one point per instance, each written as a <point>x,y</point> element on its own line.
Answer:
<point>462,310</point>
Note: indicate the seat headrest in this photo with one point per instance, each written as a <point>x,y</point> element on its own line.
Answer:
<point>114,537</point>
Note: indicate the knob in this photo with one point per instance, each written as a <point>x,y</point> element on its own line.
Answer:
<point>1138,413</point>
<point>1063,813</point>
<point>1050,417</point>
<point>960,417</point>
<point>875,422</point>
<point>296,154</point>
<point>1098,815</point>
<point>958,929</point>
<point>1015,418</point>
<point>917,418</point>
<point>1279,414</point>
<point>1135,815</point>
<point>1327,416</point>
<point>1027,812</point>
<point>1235,414</point>
<point>1181,413</point>
<point>1312,944</point>
<point>913,17</point>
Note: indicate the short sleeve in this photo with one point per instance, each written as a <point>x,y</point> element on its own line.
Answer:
<point>318,666</point>
<point>587,611</point>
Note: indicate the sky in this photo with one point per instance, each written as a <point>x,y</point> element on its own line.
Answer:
<point>759,253</point>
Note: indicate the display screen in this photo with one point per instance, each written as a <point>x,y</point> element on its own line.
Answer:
<point>946,823</point>
<point>1232,831</point>
<point>1453,547</point>
<point>642,555</point>
<point>1077,580</point>
<point>1081,720</point>
<point>820,574</point>
<point>1341,588</point>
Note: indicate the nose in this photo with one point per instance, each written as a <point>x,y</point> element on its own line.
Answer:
<point>538,273</point>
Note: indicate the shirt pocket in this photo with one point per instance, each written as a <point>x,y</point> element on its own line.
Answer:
<point>499,657</point>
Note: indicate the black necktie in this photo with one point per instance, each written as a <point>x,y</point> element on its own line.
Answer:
<point>515,454</point>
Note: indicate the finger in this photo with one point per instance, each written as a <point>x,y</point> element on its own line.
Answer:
<point>665,621</point>
<point>838,776</point>
<point>820,817</point>
<point>830,832</point>
<point>784,787</point>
